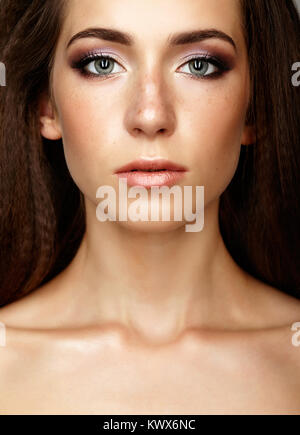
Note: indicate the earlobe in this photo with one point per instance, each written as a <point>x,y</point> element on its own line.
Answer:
<point>49,125</point>
<point>249,136</point>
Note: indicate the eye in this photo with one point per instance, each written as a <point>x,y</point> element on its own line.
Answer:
<point>98,65</point>
<point>204,67</point>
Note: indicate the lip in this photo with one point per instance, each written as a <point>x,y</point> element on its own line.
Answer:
<point>138,173</point>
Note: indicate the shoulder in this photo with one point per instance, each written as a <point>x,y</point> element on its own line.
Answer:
<point>274,343</point>
<point>278,324</point>
<point>25,326</point>
<point>43,307</point>
<point>270,307</point>
<point>16,357</point>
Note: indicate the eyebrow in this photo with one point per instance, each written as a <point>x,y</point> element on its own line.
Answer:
<point>174,40</point>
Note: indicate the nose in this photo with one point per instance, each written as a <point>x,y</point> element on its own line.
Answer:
<point>150,111</point>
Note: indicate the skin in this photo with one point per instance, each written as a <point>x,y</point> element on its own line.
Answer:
<point>149,318</point>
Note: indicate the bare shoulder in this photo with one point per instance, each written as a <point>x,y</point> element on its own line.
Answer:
<point>273,339</point>
<point>16,355</point>
<point>278,314</point>
<point>280,358</point>
<point>269,306</point>
<point>41,308</point>
<point>24,332</point>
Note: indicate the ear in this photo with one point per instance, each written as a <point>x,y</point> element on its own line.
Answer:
<point>49,124</point>
<point>248,136</point>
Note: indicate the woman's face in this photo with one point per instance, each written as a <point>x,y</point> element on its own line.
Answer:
<point>150,99</point>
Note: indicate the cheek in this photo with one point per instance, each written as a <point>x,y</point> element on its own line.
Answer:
<point>217,122</point>
<point>86,139</point>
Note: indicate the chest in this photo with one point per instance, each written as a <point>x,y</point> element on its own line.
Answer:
<point>137,383</point>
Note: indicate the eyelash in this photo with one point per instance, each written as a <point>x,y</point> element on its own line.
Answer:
<point>92,57</point>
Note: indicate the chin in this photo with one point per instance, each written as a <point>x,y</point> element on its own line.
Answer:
<point>152,227</point>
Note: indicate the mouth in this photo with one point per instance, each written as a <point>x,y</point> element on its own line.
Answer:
<point>153,173</point>
<point>148,170</point>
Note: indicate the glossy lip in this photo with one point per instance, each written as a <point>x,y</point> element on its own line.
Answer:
<point>144,165</point>
<point>167,173</point>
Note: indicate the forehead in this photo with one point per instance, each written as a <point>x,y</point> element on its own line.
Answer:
<point>153,20</point>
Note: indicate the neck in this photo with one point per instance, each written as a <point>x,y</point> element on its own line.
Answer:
<point>158,285</point>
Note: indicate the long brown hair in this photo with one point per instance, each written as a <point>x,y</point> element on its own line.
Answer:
<point>42,219</point>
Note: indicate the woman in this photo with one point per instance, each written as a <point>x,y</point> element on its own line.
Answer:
<point>143,317</point>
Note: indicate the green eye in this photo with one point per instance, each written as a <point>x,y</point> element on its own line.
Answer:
<point>98,65</point>
<point>201,67</point>
<point>103,65</point>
